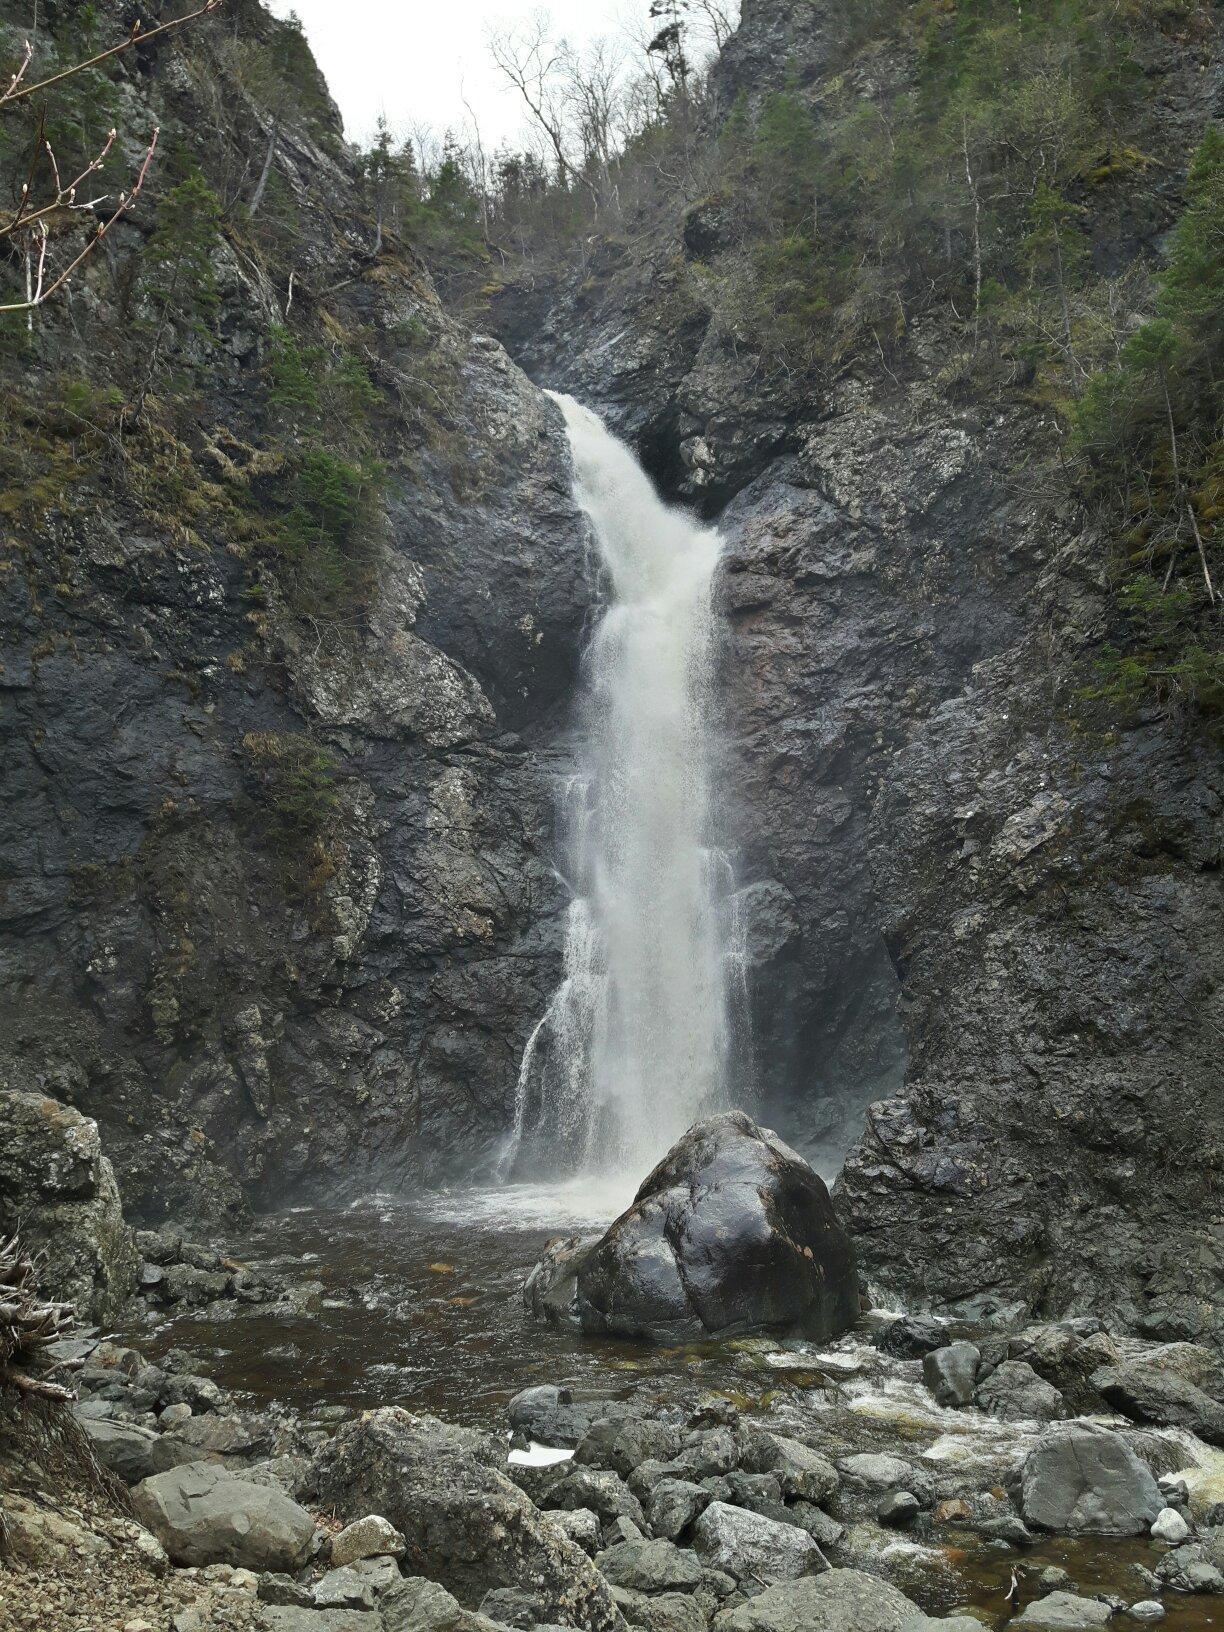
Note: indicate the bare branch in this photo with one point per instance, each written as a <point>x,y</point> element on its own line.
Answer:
<point>18,91</point>
<point>40,295</point>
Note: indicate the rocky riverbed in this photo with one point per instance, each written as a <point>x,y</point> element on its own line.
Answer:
<point>908,1474</point>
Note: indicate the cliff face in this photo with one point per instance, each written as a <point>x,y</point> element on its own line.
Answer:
<point>984,921</point>
<point>277,899</point>
<point>277,905</point>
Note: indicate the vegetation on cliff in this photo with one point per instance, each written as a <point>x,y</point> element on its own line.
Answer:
<point>1001,171</point>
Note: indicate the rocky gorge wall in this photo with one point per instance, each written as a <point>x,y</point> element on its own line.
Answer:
<point>984,923</point>
<point>276,902</point>
<point>278,907</point>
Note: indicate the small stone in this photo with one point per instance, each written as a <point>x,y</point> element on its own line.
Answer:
<point>1147,1609</point>
<point>172,1415</point>
<point>1013,1532</point>
<point>367,1538</point>
<point>245,1580</point>
<point>1054,1579</point>
<point>898,1509</point>
<point>1171,1527</point>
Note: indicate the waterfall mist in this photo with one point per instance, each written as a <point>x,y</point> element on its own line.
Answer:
<point>635,1044</point>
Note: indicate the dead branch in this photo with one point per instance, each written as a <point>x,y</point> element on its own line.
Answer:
<point>29,1324</point>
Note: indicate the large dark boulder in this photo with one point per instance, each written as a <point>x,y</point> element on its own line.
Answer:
<point>732,1232</point>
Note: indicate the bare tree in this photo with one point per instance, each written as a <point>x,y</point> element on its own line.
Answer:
<point>28,229</point>
<point>534,63</point>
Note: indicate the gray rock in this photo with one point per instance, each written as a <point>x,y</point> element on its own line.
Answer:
<point>878,1471</point>
<point>898,1509</point>
<point>710,1453</point>
<point>910,1337</point>
<point>284,1591</point>
<point>1064,1612</point>
<point>344,1588</point>
<point>732,1232</point>
<point>599,1491</point>
<point>951,1373</point>
<point>551,1415</point>
<point>465,1524</point>
<point>665,1612</point>
<point>1080,1477</point>
<point>1147,1609</point>
<point>1009,1529</point>
<point>58,1188</point>
<point>756,1551</point>
<point>624,1444</point>
<point>580,1525</point>
<point>674,1504</point>
<point>826,1532</point>
<point>369,1537</point>
<point>804,1474</point>
<point>1147,1393</point>
<point>510,1606</point>
<point>550,1291</point>
<point>420,1605</point>
<point>1171,1527</point>
<point>836,1601</point>
<point>1015,1392</point>
<point>650,1566</point>
<point>203,1515</point>
<point>133,1453</point>
<point>284,1618</point>
<point>1054,1579</point>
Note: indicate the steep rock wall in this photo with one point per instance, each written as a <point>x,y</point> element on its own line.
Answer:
<point>984,923</point>
<point>253,1001</point>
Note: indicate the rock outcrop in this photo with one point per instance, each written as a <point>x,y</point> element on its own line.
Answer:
<point>58,1188</point>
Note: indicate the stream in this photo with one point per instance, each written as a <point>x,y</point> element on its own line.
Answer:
<point>418,1303</point>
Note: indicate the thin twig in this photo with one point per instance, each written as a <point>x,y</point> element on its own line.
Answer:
<point>17,91</point>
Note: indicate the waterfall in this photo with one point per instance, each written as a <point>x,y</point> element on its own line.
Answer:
<point>634,1045</point>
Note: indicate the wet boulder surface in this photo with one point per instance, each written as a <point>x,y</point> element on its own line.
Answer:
<point>733,1232</point>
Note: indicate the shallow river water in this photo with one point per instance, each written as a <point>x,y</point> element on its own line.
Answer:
<point>419,1304</point>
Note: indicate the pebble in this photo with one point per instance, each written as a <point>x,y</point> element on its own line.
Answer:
<point>1147,1609</point>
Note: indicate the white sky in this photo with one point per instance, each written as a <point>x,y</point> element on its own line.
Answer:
<point>416,60</point>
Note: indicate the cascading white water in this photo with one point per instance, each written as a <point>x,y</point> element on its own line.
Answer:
<point>635,1043</point>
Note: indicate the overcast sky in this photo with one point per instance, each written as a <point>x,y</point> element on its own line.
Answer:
<point>416,60</point>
